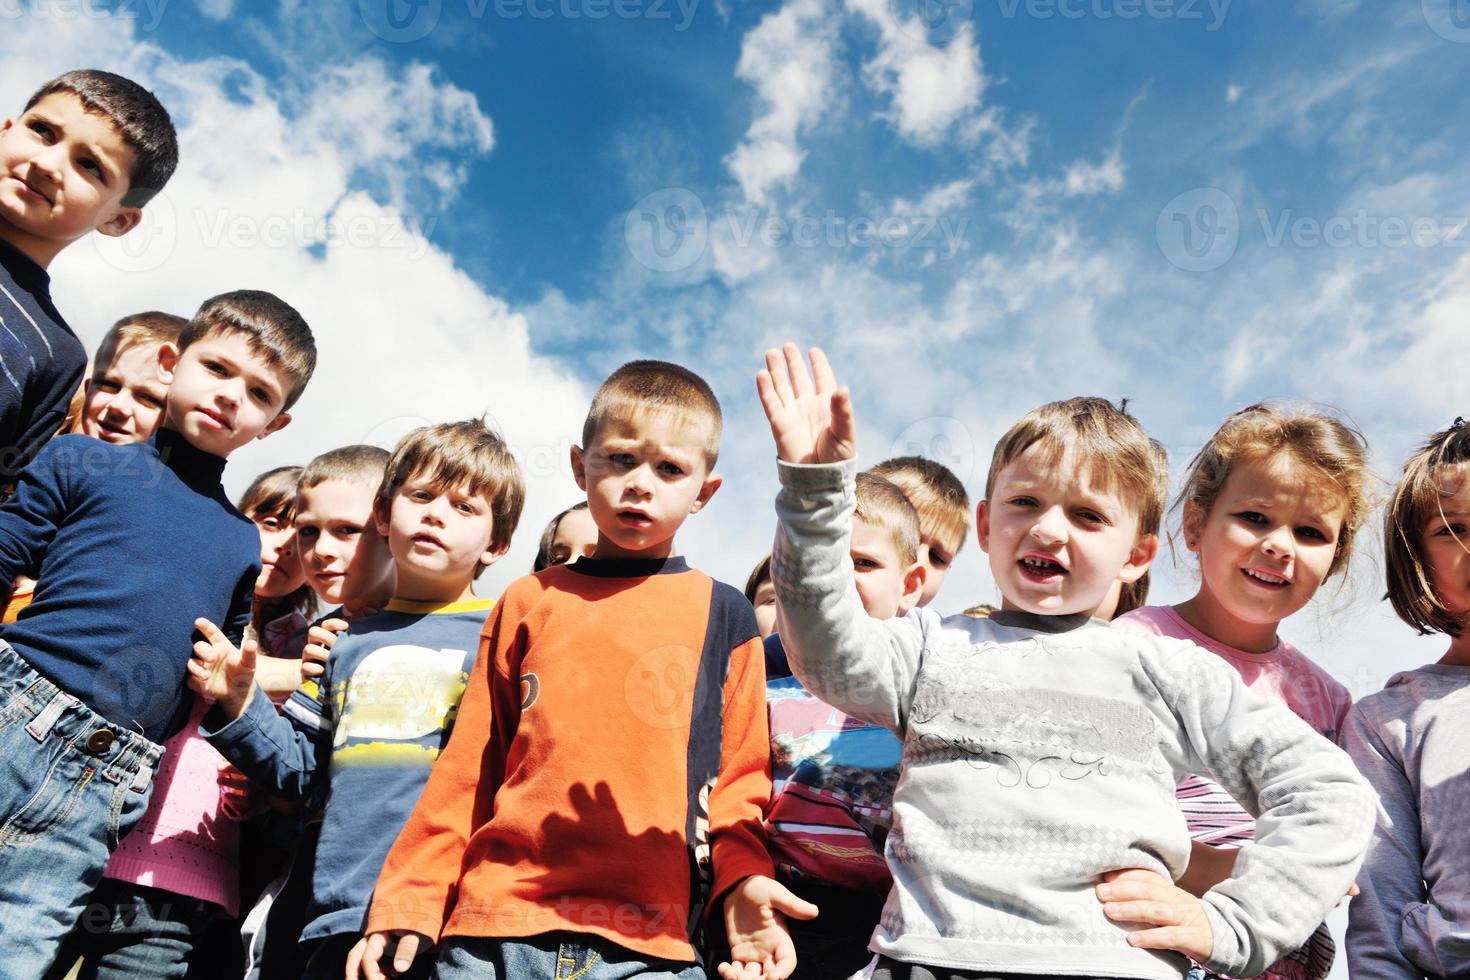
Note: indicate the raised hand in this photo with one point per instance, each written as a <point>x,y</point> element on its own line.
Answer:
<point>760,946</point>
<point>1141,896</point>
<point>319,641</point>
<point>219,671</point>
<point>811,416</point>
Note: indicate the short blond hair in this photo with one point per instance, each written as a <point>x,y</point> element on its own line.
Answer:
<point>360,464</point>
<point>1331,448</point>
<point>657,386</point>
<point>936,493</point>
<point>881,503</point>
<point>150,327</point>
<point>1104,439</point>
<point>1416,498</point>
<point>465,454</point>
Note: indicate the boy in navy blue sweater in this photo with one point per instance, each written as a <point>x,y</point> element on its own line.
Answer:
<point>89,150</point>
<point>449,501</point>
<point>130,544</point>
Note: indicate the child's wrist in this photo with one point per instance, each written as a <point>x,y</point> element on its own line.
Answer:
<point>235,703</point>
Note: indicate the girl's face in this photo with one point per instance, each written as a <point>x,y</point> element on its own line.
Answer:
<point>280,566</point>
<point>1445,538</point>
<point>1264,547</point>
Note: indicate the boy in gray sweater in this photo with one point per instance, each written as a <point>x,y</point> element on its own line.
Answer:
<point>1041,749</point>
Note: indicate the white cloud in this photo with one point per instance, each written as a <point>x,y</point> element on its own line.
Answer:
<point>931,87</point>
<point>1232,94</point>
<point>216,9</point>
<point>788,59</point>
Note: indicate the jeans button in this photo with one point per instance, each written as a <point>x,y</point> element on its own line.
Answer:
<point>99,741</point>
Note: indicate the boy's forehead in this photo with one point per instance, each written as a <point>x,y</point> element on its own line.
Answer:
<point>666,429</point>
<point>90,127</point>
<point>335,495</point>
<point>1057,469</point>
<point>236,345</point>
<point>139,357</point>
<point>872,537</point>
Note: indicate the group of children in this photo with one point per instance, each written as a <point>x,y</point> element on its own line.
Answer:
<point>297,712</point>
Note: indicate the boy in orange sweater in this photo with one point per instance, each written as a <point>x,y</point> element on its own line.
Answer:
<point>608,770</point>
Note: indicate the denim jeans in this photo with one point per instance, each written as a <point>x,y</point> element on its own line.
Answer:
<point>554,956</point>
<point>129,931</point>
<point>71,785</point>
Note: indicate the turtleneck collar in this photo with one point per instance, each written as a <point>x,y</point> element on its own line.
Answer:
<point>191,464</point>
<point>24,270</point>
<point>1041,624</point>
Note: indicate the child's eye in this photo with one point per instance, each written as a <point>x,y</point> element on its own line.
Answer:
<point>1311,533</point>
<point>261,395</point>
<point>91,166</point>
<point>1022,501</point>
<point>107,385</point>
<point>938,560</point>
<point>306,530</point>
<point>215,367</point>
<point>348,530</point>
<point>40,128</point>
<point>269,523</point>
<point>422,496</point>
<point>1252,517</point>
<point>769,600</point>
<point>1092,517</point>
<point>864,564</point>
<point>670,469</point>
<point>621,459</point>
<point>465,507</point>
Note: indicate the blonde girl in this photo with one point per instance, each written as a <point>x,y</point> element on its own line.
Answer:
<point>1410,739</point>
<point>1270,506</point>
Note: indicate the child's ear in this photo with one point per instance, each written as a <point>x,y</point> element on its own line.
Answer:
<point>712,483</point>
<point>168,360</point>
<point>579,468</point>
<point>381,518</point>
<point>982,525</point>
<point>494,553</point>
<point>120,222</point>
<point>1193,525</point>
<point>1140,558</point>
<point>913,587</point>
<point>275,425</point>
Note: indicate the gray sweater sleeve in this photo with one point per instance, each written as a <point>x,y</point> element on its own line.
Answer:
<point>1392,880</point>
<point>865,667</point>
<point>1314,813</point>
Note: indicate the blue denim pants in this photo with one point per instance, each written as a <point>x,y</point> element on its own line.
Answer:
<point>553,956</point>
<point>71,785</point>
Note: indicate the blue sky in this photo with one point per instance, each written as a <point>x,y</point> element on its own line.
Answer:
<point>974,205</point>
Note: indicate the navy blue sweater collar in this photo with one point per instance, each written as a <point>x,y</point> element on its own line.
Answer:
<point>24,270</point>
<point>192,465</point>
<point>628,567</point>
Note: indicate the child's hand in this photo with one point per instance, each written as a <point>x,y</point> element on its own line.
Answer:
<point>239,798</point>
<point>362,961</point>
<point>1208,866</point>
<point>811,422</point>
<point>760,946</point>
<point>319,640</point>
<point>1137,895</point>
<point>220,672</point>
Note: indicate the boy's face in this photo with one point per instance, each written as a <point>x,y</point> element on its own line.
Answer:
<point>125,399</point>
<point>936,554</point>
<point>222,394</point>
<point>63,173</point>
<point>346,560</point>
<point>439,537</point>
<point>1445,541</point>
<point>1056,543</point>
<point>887,588</point>
<point>643,476</point>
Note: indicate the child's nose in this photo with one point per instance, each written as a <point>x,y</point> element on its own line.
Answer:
<point>1278,542</point>
<point>1050,527</point>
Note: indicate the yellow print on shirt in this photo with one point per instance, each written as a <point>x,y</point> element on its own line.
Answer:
<point>398,697</point>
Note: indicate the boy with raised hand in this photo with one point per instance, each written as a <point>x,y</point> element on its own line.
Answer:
<point>129,544</point>
<point>611,758</point>
<point>448,504</point>
<point>88,151</point>
<point>1041,749</point>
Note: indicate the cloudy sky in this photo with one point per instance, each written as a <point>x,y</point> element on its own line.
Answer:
<point>974,205</point>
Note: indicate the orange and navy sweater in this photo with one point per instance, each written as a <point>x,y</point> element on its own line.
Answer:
<point>608,769</point>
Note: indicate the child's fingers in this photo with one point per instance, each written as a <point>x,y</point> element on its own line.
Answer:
<point>210,632</point>
<point>844,425</point>
<point>1148,912</point>
<point>333,626</point>
<point>801,383</point>
<point>205,653</point>
<point>822,373</point>
<point>312,668</point>
<point>408,948</point>
<point>780,376</point>
<point>362,961</point>
<point>1181,939</point>
<point>765,387</point>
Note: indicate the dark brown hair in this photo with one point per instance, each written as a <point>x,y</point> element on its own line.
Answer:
<point>1416,499</point>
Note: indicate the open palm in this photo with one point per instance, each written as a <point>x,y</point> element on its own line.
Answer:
<point>811,416</point>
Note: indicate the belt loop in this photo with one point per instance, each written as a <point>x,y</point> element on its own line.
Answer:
<point>141,780</point>
<point>40,726</point>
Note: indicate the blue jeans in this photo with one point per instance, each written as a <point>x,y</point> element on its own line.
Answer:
<point>71,785</point>
<point>553,956</point>
<point>130,930</point>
